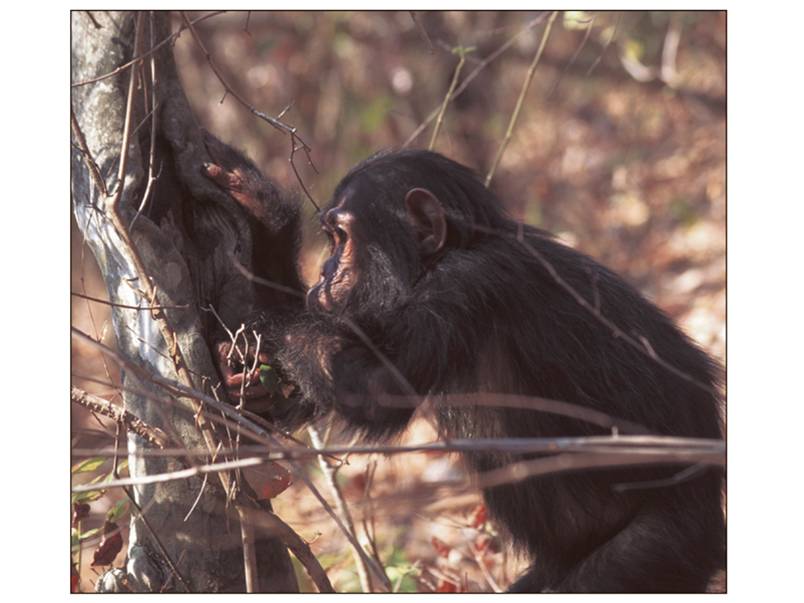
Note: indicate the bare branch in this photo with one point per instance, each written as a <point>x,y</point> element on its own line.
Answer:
<point>448,96</point>
<point>140,514</point>
<point>134,424</point>
<point>362,562</point>
<point>523,92</point>
<point>422,30</point>
<point>475,72</point>
<point>620,450</point>
<point>153,115</point>
<point>269,521</point>
<point>128,306</point>
<point>272,121</point>
<point>606,45</point>
<point>94,171</point>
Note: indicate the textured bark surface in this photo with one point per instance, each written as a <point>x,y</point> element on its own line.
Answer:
<point>184,239</point>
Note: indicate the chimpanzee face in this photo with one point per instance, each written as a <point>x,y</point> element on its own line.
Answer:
<point>378,241</point>
<point>339,272</point>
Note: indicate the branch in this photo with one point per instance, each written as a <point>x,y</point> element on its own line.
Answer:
<point>153,115</point>
<point>92,166</point>
<point>269,521</point>
<point>272,121</point>
<point>362,562</point>
<point>134,424</point>
<point>523,92</point>
<point>465,83</point>
<point>127,306</point>
<point>448,97</point>
<point>594,451</point>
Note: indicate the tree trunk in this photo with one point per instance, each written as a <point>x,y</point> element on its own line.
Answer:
<point>184,239</point>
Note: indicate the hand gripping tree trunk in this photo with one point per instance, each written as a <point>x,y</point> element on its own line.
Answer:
<point>175,255</point>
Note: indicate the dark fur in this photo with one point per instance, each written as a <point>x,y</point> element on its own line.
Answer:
<point>485,315</point>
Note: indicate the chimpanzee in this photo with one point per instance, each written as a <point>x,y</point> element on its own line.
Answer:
<point>431,291</point>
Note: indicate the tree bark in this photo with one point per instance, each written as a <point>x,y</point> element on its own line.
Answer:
<point>184,239</point>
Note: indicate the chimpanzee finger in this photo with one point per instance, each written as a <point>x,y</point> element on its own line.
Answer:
<point>231,181</point>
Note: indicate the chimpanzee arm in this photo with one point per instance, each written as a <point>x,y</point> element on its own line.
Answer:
<point>274,220</point>
<point>372,379</point>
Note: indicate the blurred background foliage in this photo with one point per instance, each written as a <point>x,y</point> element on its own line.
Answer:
<point>620,150</point>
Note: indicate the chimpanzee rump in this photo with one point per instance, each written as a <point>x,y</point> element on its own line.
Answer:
<point>431,290</point>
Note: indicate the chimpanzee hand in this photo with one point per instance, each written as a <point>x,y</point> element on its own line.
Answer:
<point>241,374</point>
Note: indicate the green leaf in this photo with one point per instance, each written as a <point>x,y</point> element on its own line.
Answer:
<point>90,533</point>
<point>634,49</point>
<point>462,51</point>
<point>87,497</point>
<point>270,379</point>
<point>88,465</point>
<point>92,494</point>
<point>577,19</point>
<point>117,511</point>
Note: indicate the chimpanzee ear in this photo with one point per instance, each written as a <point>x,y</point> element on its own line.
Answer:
<point>427,215</point>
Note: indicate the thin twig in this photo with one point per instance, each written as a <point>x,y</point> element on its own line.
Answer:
<point>92,18</point>
<point>653,444</point>
<point>572,60</point>
<point>248,539</point>
<point>422,30</point>
<point>475,72</point>
<point>448,97</point>
<point>606,45</point>
<point>127,306</point>
<point>170,476</point>
<point>478,557</point>
<point>90,313</point>
<point>156,540</point>
<point>522,93</point>
<point>272,121</point>
<point>92,166</point>
<point>358,554</point>
<point>596,451</point>
<point>154,117</point>
<point>140,57</point>
<point>369,526</point>
<point>264,282</point>
<point>267,520</point>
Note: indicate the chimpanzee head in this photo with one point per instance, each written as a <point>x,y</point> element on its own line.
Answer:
<point>391,219</point>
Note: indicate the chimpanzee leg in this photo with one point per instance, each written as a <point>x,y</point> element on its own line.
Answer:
<point>663,549</point>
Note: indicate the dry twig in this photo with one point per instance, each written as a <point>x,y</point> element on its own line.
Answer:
<point>296,142</point>
<point>475,72</point>
<point>134,424</point>
<point>136,60</point>
<point>462,52</point>
<point>362,561</point>
<point>523,92</point>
